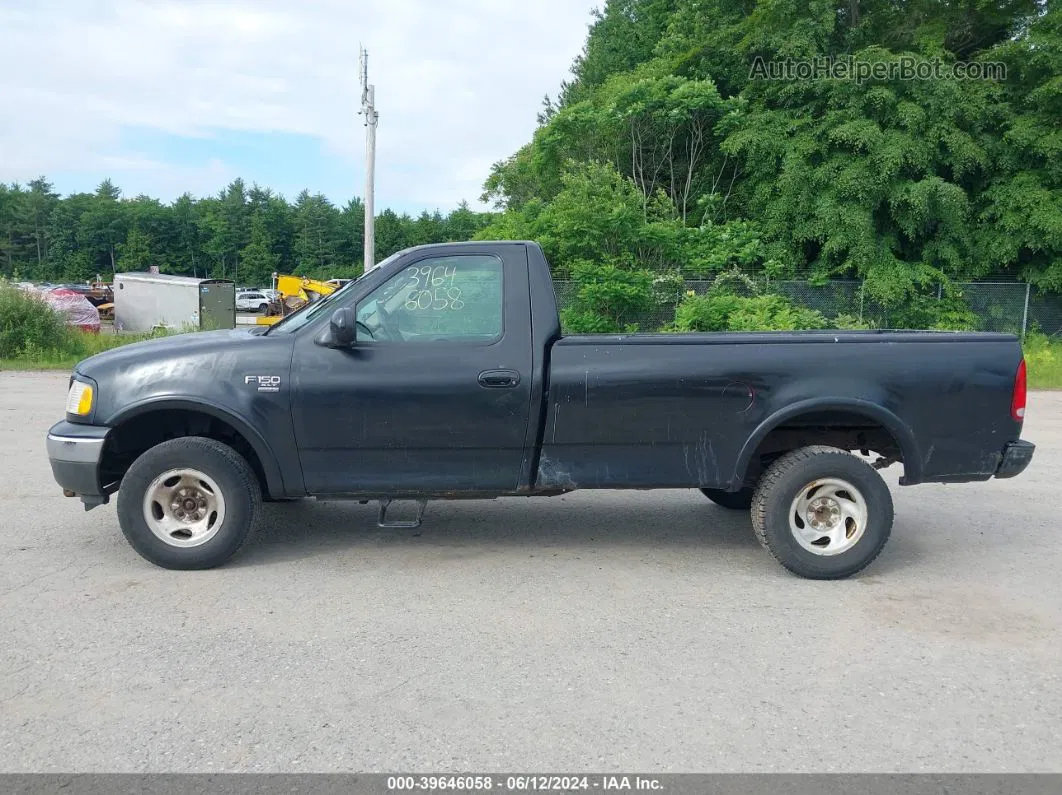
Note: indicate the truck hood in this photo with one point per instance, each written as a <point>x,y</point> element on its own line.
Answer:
<point>165,350</point>
<point>219,368</point>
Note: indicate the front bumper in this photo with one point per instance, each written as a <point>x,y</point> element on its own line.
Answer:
<point>1016,457</point>
<point>74,451</point>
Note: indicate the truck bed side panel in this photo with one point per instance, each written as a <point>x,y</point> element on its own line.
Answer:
<point>687,410</point>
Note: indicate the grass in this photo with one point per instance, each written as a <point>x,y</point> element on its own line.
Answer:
<point>1043,358</point>
<point>80,345</point>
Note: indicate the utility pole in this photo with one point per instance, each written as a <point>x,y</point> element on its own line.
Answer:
<point>368,109</point>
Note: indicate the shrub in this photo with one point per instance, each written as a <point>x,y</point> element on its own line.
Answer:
<point>735,281</point>
<point>851,322</point>
<point>947,313</point>
<point>608,299</point>
<point>725,311</point>
<point>706,312</point>
<point>668,288</point>
<point>773,313</point>
<point>714,247</point>
<point>29,327</point>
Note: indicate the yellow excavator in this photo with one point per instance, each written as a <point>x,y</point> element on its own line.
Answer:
<point>295,293</point>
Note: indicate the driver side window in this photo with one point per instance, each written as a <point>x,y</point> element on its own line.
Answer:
<point>440,298</point>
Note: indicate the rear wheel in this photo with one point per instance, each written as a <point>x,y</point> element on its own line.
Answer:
<point>822,512</point>
<point>189,503</point>
<point>735,500</point>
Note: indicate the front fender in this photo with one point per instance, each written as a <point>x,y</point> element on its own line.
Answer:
<point>270,463</point>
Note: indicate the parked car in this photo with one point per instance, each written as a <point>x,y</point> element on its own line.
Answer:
<point>442,373</point>
<point>251,302</point>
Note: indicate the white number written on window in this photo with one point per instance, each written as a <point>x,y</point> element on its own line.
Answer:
<point>438,299</point>
<point>432,288</point>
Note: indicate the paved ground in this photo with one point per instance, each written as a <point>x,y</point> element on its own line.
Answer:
<point>595,632</point>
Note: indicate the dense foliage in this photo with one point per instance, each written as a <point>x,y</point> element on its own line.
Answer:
<point>242,233</point>
<point>28,326</point>
<point>32,332</point>
<point>669,150</point>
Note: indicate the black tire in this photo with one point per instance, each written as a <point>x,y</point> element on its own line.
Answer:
<point>796,471</point>
<point>735,500</point>
<point>234,478</point>
<point>263,307</point>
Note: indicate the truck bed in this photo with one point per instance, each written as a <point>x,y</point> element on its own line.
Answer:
<point>678,410</point>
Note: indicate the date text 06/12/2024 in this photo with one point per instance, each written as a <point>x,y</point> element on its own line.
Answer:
<point>522,783</point>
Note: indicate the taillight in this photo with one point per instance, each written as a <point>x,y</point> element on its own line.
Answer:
<point>1017,400</point>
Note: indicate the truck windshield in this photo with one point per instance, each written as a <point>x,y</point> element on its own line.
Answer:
<point>305,314</point>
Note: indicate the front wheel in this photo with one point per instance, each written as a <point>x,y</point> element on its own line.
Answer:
<point>189,503</point>
<point>822,512</point>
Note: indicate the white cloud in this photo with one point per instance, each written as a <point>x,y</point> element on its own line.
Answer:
<point>458,83</point>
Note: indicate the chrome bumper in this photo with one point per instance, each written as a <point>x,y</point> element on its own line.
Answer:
<point>74,452</point>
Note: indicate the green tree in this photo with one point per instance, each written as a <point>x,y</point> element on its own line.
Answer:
<point>906,184</point>
<point>45,236</point>
<point>38,205</point>
<point>9,210</point>
<point>186,254</point>
<point>393,232</point>
<point>135,253</point>
<point>351,246</point>
<point>316,232</point>
<point>103,227</point>
<point>66,256</point>
<point>259,260</point>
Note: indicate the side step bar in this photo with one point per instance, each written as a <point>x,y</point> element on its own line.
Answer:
<point>382,520</point>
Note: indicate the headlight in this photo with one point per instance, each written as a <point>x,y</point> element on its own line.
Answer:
<point>79,399</point>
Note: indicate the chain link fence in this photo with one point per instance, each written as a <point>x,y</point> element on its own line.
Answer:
<point>1014,307</point>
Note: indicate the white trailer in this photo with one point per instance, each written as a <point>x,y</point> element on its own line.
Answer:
<point>147,301</point>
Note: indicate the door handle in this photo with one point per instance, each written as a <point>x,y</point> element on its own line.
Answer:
<point>499,379</point>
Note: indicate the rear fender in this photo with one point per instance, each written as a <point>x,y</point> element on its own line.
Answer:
<point>912,461</point>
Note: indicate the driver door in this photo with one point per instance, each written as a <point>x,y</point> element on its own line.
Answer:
<point>435,394</point>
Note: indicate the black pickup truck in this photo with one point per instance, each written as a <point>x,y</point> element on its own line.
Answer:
<point>442,374</point>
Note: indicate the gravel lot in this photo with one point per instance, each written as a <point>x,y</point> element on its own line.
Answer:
<point>627,631</point>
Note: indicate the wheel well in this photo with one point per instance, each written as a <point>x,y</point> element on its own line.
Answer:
<point>138,434</point>
<point>847,430</point>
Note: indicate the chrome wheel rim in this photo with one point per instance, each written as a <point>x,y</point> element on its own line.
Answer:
<point>184,507</point>
<point>828,516</point>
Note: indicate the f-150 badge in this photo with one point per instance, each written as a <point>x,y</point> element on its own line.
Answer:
<point>266,383</point>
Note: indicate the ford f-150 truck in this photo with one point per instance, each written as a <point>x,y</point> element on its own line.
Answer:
<point>442,373</point>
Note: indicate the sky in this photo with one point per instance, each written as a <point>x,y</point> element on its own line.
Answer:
<point>169,96</point>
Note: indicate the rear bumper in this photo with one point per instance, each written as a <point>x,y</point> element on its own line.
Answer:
<point>1016,457</point>
<point>74,452</point>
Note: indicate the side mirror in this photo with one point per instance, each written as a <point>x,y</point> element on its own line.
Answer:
<point>341,327</point>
